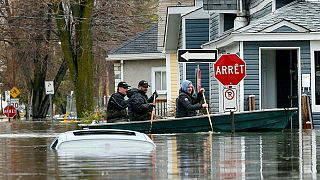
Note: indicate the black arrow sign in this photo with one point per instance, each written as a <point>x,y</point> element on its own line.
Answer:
<point>197,55</point>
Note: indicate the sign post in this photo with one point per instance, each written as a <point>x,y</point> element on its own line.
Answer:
<point>50,90</point>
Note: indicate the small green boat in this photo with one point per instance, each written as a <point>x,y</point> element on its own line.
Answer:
<point>259,120</point>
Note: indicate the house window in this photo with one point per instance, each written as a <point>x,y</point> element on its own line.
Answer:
<point>317,76</point>
<point>159,80</point>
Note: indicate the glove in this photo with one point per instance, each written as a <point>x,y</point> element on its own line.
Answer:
<point>155,94</point>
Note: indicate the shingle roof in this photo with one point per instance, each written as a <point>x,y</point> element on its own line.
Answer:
<point>305,14</point>
<point>300,13</point>
<point>145,42</point>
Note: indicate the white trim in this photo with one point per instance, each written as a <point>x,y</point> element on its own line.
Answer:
<point>260,80</point>
<point>121,69</point>
<point>274,8</point>
<point>287,24</point>
<point>314,46</point>
<point>197,14</point>
<point>181,9</point>
<point>221,24</point>
<point>169,90</point>
<point>153,85</point>
<point>183,34</point>
<point>299,88</point>
<point>149,56</point>
<point>262,37</point>
<point>241,89</point>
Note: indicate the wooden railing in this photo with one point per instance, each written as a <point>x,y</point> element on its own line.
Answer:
<point>161,108</point>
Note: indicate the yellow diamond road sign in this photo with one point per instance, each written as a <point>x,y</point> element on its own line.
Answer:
<point>14,92</point>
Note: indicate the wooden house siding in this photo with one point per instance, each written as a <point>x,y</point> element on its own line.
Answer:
<point>214,26</point>
<point>197,33</point>
<point>220,5</point>
<point>173,80</point>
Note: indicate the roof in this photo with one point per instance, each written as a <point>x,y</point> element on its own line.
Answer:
<point>144,42</point>
<point>301,13</point>
<point>296,17</point>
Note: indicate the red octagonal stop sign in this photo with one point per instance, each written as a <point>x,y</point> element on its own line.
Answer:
<point>229,69</point>
<point>10,111</point>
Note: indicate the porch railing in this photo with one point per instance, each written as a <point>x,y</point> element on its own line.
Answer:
<point>161,108</point>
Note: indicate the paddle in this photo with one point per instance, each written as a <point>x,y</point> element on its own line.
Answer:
<point>209,118</point>
<point>152,113</point>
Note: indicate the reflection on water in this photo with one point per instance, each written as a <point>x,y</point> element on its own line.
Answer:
<point>25,154</point>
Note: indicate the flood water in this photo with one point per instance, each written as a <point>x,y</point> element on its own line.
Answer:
<point>25,154</point>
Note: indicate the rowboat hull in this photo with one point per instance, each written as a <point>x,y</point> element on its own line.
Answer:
<point>260,120</point>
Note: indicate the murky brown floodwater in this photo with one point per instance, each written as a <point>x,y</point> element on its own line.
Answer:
<point>25,154</point>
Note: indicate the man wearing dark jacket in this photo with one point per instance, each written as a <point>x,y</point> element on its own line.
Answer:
<point>187,103</point>
<point>116,110</point>
<point>140,106</point>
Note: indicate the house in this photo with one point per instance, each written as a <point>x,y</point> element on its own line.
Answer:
<point>278,39</point>
<point>139,59</point>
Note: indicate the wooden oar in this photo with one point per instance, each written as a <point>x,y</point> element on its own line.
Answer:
<point>204,98</point>
<point>152,113</point>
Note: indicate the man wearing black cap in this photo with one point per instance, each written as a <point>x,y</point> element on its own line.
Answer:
<point>140,106</point>
<point>116,110</point>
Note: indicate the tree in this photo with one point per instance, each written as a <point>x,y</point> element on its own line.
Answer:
<point>79,25</point>
<point>28,36</point>
<point>31,31</point>
<point>74,26</point>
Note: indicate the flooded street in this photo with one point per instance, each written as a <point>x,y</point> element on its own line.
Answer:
<point>25,154</point>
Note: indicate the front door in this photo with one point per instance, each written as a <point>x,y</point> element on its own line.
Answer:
<point>279,78</point>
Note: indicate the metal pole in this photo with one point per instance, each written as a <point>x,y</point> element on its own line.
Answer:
<point>233,128</point>
<point>71,101</point>
<point>51,109</point>
<point>9,103</point>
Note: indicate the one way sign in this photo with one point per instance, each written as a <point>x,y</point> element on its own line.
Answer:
<point>197,55</point>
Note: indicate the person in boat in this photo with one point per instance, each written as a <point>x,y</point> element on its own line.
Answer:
<point>187,102</point>
<point>140,106</point>
<point>117,105</point>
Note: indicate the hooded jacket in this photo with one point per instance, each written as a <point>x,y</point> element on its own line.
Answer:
<point>187,104</point>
